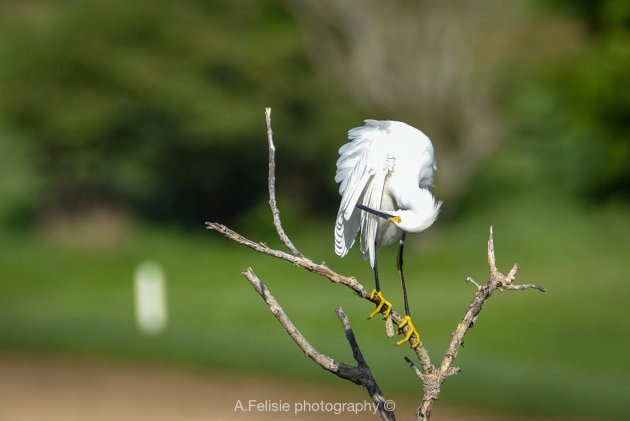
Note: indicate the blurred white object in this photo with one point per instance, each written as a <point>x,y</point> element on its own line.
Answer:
<point>150,298</point>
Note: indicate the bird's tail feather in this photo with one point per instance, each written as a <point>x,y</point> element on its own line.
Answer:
<point>346,232</point>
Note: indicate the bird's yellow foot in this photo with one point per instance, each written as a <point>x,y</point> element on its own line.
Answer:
<point>411,331</point>
<point>382,302</point>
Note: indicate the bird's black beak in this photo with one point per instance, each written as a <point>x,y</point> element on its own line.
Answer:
<point>389,217</point>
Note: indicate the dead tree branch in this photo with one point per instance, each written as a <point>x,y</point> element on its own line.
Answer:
<point>272,188</point>
<point>433,379</point>
<point>431,376</point>
<point>359,374</point>
<point>323,270</point>
<point>368,380</point>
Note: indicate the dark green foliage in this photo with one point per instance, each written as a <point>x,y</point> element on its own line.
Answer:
<point>576,112</point>
<point>158,106</point>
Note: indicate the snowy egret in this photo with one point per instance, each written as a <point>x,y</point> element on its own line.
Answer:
<point>385,172</point>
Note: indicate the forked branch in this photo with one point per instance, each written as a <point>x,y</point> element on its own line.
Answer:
<point>430,375</point>
<point>433,379</point>
<point>359,374</point>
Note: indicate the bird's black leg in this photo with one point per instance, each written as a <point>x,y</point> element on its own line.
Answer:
<point>377,284</point>
<point>411,330</point>
<point>399,265</point>
<point>377,293</point>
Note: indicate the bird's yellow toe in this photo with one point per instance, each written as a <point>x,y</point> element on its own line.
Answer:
<point>382,303</point>
<point>411,331</point>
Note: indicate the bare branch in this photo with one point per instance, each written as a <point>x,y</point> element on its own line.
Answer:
<point>369,381</point>
<point>306,263</point>
<point>272,188</point>
<point>322,360</point>
<point>356,351</point>
<point>433,380</point>
<point>323,270</point>
<point>360,375</point>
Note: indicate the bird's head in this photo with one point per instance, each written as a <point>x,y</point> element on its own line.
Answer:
<point>413,221</point>
<point>410,220</point>
<point>421,214</point>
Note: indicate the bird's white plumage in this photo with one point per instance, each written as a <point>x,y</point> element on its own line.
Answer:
<point>388,166</point>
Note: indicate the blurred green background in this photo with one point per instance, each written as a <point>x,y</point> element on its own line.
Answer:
<point>124,125</point>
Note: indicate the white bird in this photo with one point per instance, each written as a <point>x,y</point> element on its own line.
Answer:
<point>385,172</point>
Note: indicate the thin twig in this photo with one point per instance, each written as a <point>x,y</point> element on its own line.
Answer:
<point>525,286</point>
<point>415,368</point>
<point>272,188</point>
<point>472,281</point>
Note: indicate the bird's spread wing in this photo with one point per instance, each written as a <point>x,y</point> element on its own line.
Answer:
<point>361,171</point>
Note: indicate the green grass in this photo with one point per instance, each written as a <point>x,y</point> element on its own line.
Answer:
<point>560,353</point>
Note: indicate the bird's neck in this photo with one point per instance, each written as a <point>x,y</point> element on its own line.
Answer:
<point>419,210</point>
